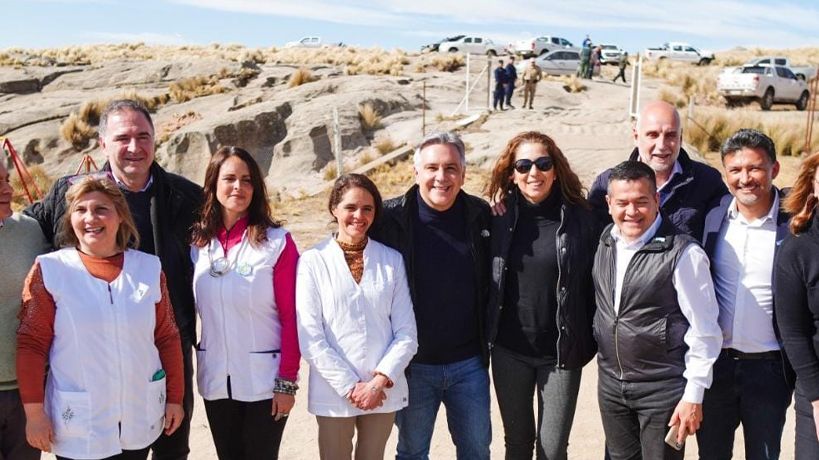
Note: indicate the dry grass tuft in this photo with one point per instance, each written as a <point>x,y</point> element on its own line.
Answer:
<point>189,88</point>
<point>177,122</point>
<point>673,97</point>
<point>369,116</point>
<point>41,178</point>
<point>77,131</point>
<point>301,76</point>
<point>384,145</point>
<point>572,84</point>
<point>713,126</point>
<point>330,171</point>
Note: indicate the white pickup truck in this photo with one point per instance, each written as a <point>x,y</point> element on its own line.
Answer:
<point>804,72</point>
<point>541,45</point>
<point>310,42</point>
<point>767,84</point>
<point>679,51</point>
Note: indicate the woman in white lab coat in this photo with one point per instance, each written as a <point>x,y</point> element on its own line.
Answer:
<point>356,327</point>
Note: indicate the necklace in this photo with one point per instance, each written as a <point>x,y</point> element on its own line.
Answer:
<point>223,265</point>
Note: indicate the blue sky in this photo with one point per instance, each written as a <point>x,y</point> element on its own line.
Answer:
<point>716,25</point>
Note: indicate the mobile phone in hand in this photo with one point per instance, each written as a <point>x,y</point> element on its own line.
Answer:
<point>671,438</point>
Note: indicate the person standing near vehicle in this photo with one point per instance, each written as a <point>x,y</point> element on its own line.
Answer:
<point>585,58</point>
<point>621,65</point>
<point>511,79</point>
<point>499,95</point>
<point>21,241</point>
<point>530,77</point>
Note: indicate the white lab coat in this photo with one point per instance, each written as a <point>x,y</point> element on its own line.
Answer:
<point>348,331</point>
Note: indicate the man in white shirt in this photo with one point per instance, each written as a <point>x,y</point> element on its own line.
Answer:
<point>655,325</point>
<point>752,379</point>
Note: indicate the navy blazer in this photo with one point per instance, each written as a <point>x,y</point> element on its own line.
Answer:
<point>714,221</point>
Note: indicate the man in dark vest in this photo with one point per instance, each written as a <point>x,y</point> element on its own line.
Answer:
<point>753,381</point>
<point>655,325</point>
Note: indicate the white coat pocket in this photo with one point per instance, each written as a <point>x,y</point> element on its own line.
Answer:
<point>264,368</point>
<point>71,413</point>
<point>155,406</point>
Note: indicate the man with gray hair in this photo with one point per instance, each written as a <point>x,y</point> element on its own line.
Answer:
<point>163,206</point>
<point>443,234</point>
<point>21,241</point>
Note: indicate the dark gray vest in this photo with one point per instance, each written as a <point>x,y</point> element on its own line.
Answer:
<point>644,341</point>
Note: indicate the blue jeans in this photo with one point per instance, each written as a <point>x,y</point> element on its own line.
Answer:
<point>636,415</point>
<point>463,387</point>
<point>748,391</point>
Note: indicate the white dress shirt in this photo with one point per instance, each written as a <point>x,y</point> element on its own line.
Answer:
<point>698,303</point>
<point>743,267</point>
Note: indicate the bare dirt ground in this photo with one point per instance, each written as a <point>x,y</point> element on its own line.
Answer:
<point>593,130</point>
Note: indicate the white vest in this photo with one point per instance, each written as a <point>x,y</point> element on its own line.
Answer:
<point>100,396</point>
<point>241,332</point>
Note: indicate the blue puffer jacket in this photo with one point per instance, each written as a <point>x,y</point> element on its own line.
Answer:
<point>693,193</point>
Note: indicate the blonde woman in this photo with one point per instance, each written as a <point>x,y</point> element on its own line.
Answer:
<point>98,313</point>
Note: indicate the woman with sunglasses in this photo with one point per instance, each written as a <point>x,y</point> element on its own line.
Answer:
<point>542,297</point>
<point>97,313</point>
<point>244,285</point>
<point>796,295</point>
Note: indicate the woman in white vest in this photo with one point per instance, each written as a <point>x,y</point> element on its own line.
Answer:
<point>244,285</point>
<point>99,314</point>
<point>356,327</point>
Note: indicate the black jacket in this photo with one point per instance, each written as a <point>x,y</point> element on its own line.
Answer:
<point>174,207</point>
<point>693,193</point>
<point>796,295</point>
<point>714,221</point>
<point>394,228</point>
<point>577,237</point>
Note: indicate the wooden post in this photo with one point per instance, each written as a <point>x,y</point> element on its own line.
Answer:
<point>337,143</point>
<point>467,82</point>
<point>814,86</point>
<point>689,115</point>
<point>424,110</point>
<point>488,82</point>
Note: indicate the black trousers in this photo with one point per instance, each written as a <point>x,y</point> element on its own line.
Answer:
<point>244,430</point>
<point>13,444</point>
<point>175,446</point>
<point>807,445</point>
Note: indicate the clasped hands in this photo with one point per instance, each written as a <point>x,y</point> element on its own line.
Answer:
<point>369,395</point>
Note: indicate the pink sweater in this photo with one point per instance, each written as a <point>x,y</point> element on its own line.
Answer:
<point>284,290</point>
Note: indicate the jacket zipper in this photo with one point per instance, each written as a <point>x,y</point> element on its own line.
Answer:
<point>221,281</point>
<point>557,287</point>
<point>116,333</point>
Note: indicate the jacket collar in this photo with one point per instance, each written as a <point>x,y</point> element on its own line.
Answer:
<point>409,204</point>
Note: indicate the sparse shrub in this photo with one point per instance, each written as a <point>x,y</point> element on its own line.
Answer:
<point>77,131</point>
<point>572,84</point>
<point>673,97</point>
<point>449,62</point>
<point>330,172</point>
<point>300,76</point>
<point>369,116</point>
<point>384,144</point>
<point>189,88</point>
<point>41,178</point>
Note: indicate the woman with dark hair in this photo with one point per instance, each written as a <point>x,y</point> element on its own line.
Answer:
<point>796,296</point>
<point>356,327</point>
<point>244,285</point>
<point>98,313</point>
<point>542,298</point>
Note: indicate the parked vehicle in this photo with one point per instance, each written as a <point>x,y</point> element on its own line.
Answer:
<point>767,84</point>
<point>434,46</point>
<point>541,45</point>
<point>310,42</point>
<point>610,54</point>
<point>801,72</point>
<point>679,51</point>
<point>471,45</point>
<point>557,62</point>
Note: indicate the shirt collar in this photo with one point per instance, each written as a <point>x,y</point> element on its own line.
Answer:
<point>733,211</point>
<point>228,238</point>
<point>122,184</point>
<point>676,169</point>
<point>642,239</point>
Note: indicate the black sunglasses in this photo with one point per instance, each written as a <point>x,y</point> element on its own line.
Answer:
<point>524,165</point>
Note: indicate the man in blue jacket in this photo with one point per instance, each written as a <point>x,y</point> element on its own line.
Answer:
<point>511,78</point>
<point>753,381</point>
<point>499,94</point>
<point>688,189</point>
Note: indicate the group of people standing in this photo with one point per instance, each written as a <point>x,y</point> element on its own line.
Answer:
<point>662,272</point>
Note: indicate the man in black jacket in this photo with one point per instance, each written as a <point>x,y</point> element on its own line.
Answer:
<point>688,189</point>
<point>443,235</point>
<point>753,381</point>
<point>163,206</point>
